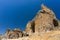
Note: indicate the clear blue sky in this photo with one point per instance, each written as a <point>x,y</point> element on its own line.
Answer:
<point>16,13</point>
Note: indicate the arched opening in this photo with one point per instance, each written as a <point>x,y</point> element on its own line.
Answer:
<point>33,26</point>
<point>55,22</point>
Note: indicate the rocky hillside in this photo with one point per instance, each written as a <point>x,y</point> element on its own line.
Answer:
<point>44,26</point>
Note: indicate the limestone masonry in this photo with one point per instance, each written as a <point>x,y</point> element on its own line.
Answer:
<point>44,26</point>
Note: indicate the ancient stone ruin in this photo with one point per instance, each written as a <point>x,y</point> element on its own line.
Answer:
<point>45,20</point>
<point>44,23</point>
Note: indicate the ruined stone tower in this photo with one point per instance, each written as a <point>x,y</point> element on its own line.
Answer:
<point>45,20</point>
